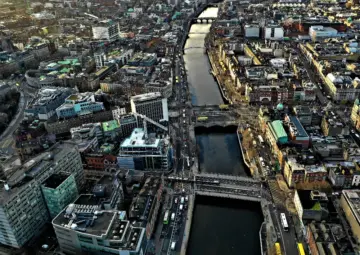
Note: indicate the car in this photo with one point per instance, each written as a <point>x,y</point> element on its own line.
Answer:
<point>176,201</point>
<point>262,164</point>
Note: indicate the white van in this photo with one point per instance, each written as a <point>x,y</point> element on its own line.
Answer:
<point>181,207</point>
<point>173,244</point>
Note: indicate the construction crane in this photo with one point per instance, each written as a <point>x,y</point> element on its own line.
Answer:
<point>146,119</point>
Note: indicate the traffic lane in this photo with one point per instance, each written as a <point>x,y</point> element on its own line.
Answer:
<point>289,236</point>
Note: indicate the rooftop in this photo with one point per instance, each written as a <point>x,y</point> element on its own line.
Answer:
<point>146,97</point>
<point>353,199</point>
<point>110,125</point>
<point>55,180</point>
<point>137,139</point>
<point>298,127</point>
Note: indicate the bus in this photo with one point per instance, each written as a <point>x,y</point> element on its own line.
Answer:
<point>284,221</point>
<point>166,217</point>
<point>301,249</point>
<point>277,249</point>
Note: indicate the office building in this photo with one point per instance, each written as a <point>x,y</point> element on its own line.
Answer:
<point>59,190</point>
<point>138,152</point>
<point>152,105</point>
<point>93,225</point>
<point>106,29</point>
<point>88,130</point>
<point>23,212</point>
<point>79,104</point>
<point>99,231</point>
<point>47,99</point>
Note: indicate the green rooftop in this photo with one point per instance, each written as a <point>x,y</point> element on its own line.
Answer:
<point>279,130</point>
<point>110,125</point>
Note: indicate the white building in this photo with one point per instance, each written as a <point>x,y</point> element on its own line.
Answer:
<point>152,105</point>
<point>106,29</point>
<point>274,33</point>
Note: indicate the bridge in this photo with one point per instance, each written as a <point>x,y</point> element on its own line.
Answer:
<point>194,47</point>
<point>204,19</point>
<point>227,186</point>
<point>198,33</point>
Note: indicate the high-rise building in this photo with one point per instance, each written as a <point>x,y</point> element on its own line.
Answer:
<point>93,225</point>
<point>59,190</point>
<point>138,152</point>
<point>23,212</point>
<point>106,29</point>
<point>152,105</point>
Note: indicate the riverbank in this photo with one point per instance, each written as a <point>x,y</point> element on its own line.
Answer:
<point>215,72</point>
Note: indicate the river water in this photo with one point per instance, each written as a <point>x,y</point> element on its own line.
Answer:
<point>220,226</point>
<point>204,89</point>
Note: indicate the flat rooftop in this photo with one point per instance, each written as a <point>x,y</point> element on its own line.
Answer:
<point>146,97</point>
<point>137,139</point>
<point>353,199</point>
<point>55,180</point>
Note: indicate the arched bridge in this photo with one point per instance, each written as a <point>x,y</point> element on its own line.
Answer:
<point>203,19</point>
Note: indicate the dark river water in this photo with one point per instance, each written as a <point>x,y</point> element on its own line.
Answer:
<point>220,226</point>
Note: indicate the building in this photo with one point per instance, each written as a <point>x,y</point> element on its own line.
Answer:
<point>115,56</point>
<point>111,129</point>
<point>139,152</point>
<point>297,133</point>
<point>92,224</point>
<point>31,138</point>
<point>332,125</point>
<point>304,114</point>
<point>321,32</point>
<point>355,114</point>
<point>145,206</point>
<point>273,33</point>
<point>87,131</point>
<point>22,206</point>
<point>278,131</point>
<point>342,174</point>
<point>152,105</point>
<point>47,99</point>
<point>127,124</point>
<point>321,239</point>
<point>59,190</point>
<point>311,205</point>
<point>350,203</point>
<point>106,29</point>
<point>79,104</point>
<point>119,111</point>
<point>23,211</point>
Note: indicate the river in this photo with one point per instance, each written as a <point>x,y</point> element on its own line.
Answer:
<point>204,89</point>
<point>220,226</point>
